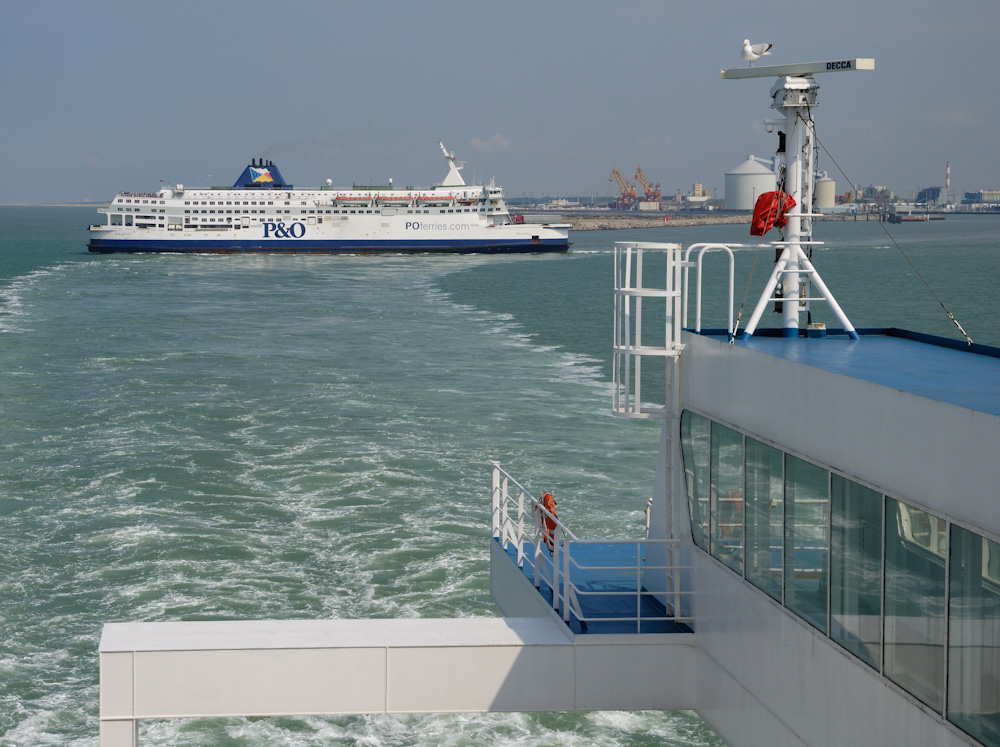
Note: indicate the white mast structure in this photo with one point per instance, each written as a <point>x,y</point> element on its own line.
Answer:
<point>454,178</point>
<point>794,95</point>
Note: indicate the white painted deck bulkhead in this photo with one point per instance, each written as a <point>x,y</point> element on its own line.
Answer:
<point>767,677</point>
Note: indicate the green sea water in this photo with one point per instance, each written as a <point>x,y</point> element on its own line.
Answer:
<point>244,437</point>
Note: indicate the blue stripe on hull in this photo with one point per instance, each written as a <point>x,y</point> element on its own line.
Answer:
<point>208,246</point>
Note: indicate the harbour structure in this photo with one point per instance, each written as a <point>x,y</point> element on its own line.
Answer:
<point>261,213</point>
<point>822,560</point>
<point>746,182</point>
<point>629,199</point>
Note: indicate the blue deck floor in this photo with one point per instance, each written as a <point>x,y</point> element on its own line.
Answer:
<point>606,589</point>
<point>933,367</point>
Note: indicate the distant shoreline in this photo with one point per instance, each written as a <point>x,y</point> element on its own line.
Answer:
<point>617,222</point>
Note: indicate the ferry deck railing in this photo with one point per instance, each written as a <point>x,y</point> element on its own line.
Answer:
<point>641,585</point>
<point>648,319</point>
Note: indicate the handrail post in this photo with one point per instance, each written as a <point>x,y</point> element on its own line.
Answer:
<point>567,581</point>
<point>495,501</point>
<point>520,528</point>
<point>555,575</point>
<point>638,587</point>
<point>537,561</point>
<point>702,248</point>
<point>505,506</point>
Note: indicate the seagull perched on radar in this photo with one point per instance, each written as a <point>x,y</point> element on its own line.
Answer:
<point>753,52</point>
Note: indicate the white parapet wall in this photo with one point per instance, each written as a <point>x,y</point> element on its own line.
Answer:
<point>327,667</point>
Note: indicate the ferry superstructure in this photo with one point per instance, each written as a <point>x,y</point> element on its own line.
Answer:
<point>821,565</point>
<point>261,213</point>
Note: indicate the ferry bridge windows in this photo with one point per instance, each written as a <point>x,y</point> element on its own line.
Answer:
<point>726,496</point>
<point>806,501</point>
<point>856,569</point>
<point>915,547</point>
<point>695,439</point>
<point>876,575</point>
<point>974,635</point>
<point>765,516</point>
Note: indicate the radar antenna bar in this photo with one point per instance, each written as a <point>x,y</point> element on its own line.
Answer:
<point>800,68</point>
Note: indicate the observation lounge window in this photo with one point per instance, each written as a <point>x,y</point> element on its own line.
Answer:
<point>899,588</point>
<point>695,437</point>
<point>856,569</point>
<point>765,516</point>
<point>974,635</point>
<point>727,496</point>
<point>915,546</point>
<point>806,503</point>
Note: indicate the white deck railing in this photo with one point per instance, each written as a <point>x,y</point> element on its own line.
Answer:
<point>584,576</point>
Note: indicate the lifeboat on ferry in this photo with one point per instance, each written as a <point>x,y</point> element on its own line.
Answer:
<point>395,200</point>
<point>435,199</point>
<point>354,200</point>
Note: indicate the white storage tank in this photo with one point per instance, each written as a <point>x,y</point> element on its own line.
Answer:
<point>746,183</point>
<point>826,192</point>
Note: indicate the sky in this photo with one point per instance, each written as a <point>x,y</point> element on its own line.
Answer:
<point>545,96</point>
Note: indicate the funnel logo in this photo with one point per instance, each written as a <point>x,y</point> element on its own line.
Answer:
<point>260,175</point>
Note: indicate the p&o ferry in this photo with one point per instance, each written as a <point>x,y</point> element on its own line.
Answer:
<point>261,213</point>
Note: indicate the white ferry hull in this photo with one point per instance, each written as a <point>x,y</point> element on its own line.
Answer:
<point>233,245</point>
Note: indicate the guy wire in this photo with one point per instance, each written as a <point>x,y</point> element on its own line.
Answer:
<point>913,267</point>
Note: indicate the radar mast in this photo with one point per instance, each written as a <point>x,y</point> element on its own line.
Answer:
<point>794,95</point>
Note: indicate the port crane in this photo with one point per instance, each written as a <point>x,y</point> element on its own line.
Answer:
<point>629,195</point>
<point>653,194</point>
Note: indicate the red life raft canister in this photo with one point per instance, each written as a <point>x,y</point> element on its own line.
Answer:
<point>770,212</point>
